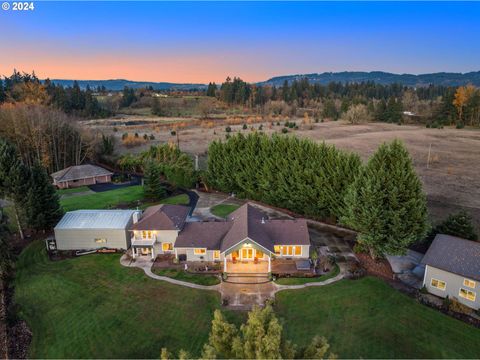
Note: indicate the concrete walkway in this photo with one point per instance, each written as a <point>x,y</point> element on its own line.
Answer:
<point>237,296</point>
<point>145,264</point>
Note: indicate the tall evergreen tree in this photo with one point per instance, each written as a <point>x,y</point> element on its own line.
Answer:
<point>211,89</point>
<point>43,204</point>
<point>386,203</point>
<point>153,187</point>
<point>14,181</point>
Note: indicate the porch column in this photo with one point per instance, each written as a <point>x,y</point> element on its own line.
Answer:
<point>153,253</point>
<point>133,252</point>
<point>176,255</point>
<point>225,263</point>
<point>269,264</point>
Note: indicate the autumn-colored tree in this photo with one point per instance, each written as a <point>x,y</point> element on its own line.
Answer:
<point>462,95</point>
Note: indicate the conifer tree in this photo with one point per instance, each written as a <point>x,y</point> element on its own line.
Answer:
<point>14,181</point>
<point>43,205</point>
<point>153,187</point>
<point>459,224</point>
<point>386,203</point>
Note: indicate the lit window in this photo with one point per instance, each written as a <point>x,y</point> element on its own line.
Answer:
<point>216,254</point>
<point>167,246</point>
<point>199,251</point>
<point>100,241</point>
<point>278,249</point>
<point>469,283</point>
<point>259,254</point>
<point>147,234</point>
<point>298,250</point>
<point>441,285</point>
<point>467,294</point>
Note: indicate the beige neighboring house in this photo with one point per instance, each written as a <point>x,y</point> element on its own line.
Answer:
<point>81,175</point>
<point>247,235</point>
<point>452,268</point>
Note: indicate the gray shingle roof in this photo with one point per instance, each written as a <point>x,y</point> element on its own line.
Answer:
<point>245,222</point>
<point>163,217</point>
<point>203,234</point>
<point>79,172</point>
<point>95,219</point>
<point>455,255</point>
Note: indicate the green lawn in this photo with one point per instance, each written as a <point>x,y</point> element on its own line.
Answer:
<point>181,199</point>
<point>92,307</point>
<point>222,210</point>
<point>369,319</point>
<point>299,280</point>
<point>103,200</point>
<point>72,190</point>
<point>184,276</point>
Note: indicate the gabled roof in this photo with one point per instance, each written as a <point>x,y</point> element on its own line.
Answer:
<point>455,255</point>
<point>95,219</point>
<point>163,217</point>
<point>79,172</point>
<point>247,223</point>
<point>207,235</point>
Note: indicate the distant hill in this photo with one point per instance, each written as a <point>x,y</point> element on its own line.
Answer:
<point>384,78</point>
<point>119,84</point>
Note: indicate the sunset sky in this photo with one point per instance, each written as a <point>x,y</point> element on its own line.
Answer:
<point>202,42</point>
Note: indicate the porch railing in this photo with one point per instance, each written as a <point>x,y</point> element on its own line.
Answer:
<point>139,241</point>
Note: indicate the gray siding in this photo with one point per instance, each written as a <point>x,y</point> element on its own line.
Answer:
<point>453,284</point>
<point>84,239</point>
<point>192,257</point>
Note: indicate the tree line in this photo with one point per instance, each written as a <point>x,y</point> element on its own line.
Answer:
<point>45,135</point>
<point>441,105</point>
<point>382,199</point>
<point>29,191</point>
<point>27,88</point>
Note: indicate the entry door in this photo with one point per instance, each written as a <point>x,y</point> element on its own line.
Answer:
<point>247,254</point>
<point>146,251</point>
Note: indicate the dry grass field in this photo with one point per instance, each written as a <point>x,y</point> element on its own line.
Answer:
<point>451,181</point>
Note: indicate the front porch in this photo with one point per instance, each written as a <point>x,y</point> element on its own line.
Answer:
<point>247,267</point>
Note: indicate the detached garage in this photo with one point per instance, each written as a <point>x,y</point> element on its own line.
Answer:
<point>95,229</point>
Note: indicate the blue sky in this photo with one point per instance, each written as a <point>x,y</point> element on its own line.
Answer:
<point>201,42</point>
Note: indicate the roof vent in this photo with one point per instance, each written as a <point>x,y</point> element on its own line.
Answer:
<point>263,220</point>
<point>135,217</point>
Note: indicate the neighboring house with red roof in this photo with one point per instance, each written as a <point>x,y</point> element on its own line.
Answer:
<point>452,268</point>
<point>246,235</point>
<point>81,175</point>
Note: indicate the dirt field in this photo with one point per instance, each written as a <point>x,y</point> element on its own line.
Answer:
<point>451,181</point>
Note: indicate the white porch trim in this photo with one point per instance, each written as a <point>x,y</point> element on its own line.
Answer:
<point>253,241</point>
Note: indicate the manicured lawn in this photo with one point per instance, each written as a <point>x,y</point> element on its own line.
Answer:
<point>181,199</point>
<point>72,190</point>
<point>184,276</point>
<point>222,210</point>
<point>92,307</point>
<point>298,281</point>
<point>369,319</point>
<point>103,200</point>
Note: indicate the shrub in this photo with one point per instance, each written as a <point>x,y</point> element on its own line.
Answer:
<point>229,129</point>
<point>145,136</point>
<point>244,127</point>
<point>132,141</point>
<point>124,136</point>
<point>460,125</point>
<point>152,137</point>
<point>458,307</point>
<point>115,129</point>
<point>284,130</point>
<point>260,127</point>
<point>136,135</point>
<point>173,133</point>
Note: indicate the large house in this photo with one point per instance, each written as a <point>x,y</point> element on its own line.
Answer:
<point>81,175</point>
<point>247,235</point>
<point>452,268</point>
